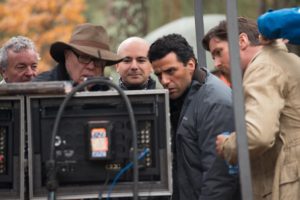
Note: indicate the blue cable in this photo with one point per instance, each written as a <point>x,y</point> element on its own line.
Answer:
<point>122,171</point>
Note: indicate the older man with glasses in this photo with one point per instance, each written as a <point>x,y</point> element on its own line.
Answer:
<point>84,56</point>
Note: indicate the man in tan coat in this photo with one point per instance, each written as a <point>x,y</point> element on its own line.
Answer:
<point>271,82</point>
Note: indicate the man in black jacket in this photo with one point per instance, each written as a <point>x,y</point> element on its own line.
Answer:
<point>86,55</point>
<point>201,108</point>
<point>135,68</point>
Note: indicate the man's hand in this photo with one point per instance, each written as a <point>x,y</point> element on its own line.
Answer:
<point>219,144</point>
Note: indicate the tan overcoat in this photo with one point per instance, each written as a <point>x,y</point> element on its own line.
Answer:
<point>272,103</point>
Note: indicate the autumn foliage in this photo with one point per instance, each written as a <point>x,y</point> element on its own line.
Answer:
<point>45,22</point>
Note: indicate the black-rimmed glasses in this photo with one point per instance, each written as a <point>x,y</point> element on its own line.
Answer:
<point>85,59</point>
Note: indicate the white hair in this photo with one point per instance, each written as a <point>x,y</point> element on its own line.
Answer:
<point>16,44</point>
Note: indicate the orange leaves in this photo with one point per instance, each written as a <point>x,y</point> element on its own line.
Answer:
<point>70,10</point>
<point>45,22</point>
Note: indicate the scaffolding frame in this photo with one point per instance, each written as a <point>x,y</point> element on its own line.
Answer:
<point>237,88</point>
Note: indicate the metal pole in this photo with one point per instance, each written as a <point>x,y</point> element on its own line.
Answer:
<point>199,25</point>
<point>22,147</point>
<point>238,101</point>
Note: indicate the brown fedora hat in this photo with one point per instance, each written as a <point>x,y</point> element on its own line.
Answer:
<point>89,39</point>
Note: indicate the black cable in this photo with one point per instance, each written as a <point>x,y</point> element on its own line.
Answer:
<point>51,165</point>
<point>105,183</point>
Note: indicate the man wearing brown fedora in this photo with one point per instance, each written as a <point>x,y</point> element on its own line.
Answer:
<point>86,55</point>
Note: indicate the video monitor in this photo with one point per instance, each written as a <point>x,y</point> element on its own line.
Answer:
<point>12,147</point>
<point>94,142</point>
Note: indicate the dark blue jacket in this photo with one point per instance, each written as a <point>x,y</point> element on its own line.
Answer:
<point>58,73</point>
<point>151,84</point>
<point>199,173</point>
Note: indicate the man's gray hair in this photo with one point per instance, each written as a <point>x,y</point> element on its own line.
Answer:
<point>16,44</point>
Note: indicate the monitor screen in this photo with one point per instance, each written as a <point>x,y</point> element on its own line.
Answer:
<point>94,142</point>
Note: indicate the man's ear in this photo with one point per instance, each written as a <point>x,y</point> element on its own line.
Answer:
<point>152,70</point>
<point>3,74</point>
<point>117,67</point>
<point>243,41</point>
<point>191,65</point>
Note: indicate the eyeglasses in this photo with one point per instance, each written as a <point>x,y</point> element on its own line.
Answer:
<point>85,59</point>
